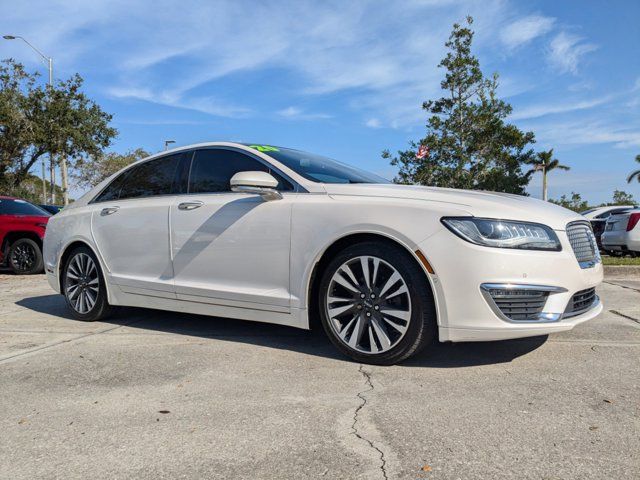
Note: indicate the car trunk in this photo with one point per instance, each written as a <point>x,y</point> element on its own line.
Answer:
<point>618,222</point>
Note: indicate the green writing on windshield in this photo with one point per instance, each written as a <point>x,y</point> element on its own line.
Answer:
<point>264,148</point>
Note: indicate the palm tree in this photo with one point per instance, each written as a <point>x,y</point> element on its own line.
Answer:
<point>635,174</point>
<point>545,162</point>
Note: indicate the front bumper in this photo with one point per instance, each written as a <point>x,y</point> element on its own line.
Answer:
<point>448,334</point>
<point>461,268</point>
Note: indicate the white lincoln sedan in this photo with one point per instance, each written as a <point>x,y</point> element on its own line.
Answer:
<point>277,235</point>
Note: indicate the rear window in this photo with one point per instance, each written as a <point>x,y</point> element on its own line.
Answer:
<point>20,207</point>
<point>617,211</point>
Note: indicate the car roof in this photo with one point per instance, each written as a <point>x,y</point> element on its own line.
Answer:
<point>6,197</point>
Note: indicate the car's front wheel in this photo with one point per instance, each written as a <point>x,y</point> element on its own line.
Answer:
<point>25,257</point>
<point>83,286</point>
<point>375,304</point>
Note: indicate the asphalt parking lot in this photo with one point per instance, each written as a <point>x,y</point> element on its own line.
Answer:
<point>161,395</point>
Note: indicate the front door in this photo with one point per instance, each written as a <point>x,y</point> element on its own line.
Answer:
<point>230,248</point>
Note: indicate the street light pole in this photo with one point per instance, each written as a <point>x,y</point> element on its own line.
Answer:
<point>49,60</point>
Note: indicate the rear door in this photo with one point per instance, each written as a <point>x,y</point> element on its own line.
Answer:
<point>130,226</point>
<point>231,248</point>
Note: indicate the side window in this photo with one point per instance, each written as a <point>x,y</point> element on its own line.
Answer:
<point>212,170</point>
<point>155,177</point>
<point>112,192</point>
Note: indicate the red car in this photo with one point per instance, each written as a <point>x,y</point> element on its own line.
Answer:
<point>22,227</point>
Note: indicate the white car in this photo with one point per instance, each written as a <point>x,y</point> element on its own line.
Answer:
<point>622,233</point>
<point>598,218</point>
<point>277,235</point>
<point>602,213</point>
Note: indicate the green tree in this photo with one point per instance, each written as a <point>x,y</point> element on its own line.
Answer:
<point>16,124</point>
<point>635,174</point>
<point>545,163</point>
<point>30,188</point>
<point>36,120</point>
<point>622,198</point>
<point>90,171</point>
<point>574,203</point>
<point>470,144</point>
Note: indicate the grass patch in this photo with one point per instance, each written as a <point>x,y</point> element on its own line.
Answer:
<point>607,260</point>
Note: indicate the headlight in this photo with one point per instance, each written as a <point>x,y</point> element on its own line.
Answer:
<point>504,233</point>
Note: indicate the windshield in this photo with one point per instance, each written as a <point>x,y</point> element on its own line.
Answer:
<point>318,168</point>
<point>9,206</point>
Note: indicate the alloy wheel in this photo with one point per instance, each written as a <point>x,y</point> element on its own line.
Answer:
<point>23,257</point>
<point>82,283</point>
<point>368,305</point>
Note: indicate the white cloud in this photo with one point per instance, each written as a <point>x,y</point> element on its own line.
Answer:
<point>536,111</point>
<point>524,30</point>
<point>295,113</point>
<point>175,53</point>
<point>373,123</point>
<point>206,104</point>
<point>585,132</point>
<point>566,51</point>
<point>290,112</point>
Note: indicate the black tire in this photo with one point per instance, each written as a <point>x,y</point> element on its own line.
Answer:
<point>101,308</point>
<point>25,257</point>
<point>421,329</point>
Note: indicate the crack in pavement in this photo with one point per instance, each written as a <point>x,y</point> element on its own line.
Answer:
<point>622,286</point>
<point>367,376</point>
<point>628,317</point>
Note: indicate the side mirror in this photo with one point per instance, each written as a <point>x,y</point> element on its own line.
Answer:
<point>260,183</point>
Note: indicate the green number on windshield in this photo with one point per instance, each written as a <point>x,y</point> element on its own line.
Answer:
<point>264,148</point>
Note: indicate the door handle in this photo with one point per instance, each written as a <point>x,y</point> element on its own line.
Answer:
<point>190,205</point>
<point>109,210</point>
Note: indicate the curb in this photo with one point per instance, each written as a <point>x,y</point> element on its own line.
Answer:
<point>622,271</point>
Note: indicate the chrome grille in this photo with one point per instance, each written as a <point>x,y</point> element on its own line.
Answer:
<point>519,305</point>
<point>526,307</point>
<point>581,302</point>
<point>583,244</point>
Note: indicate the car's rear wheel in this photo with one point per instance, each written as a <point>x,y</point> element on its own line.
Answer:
<point>83,286</point>
<point>25,257</point>
<point>376,305</point>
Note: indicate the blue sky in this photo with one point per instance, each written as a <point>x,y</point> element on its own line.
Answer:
<point>347,79</point>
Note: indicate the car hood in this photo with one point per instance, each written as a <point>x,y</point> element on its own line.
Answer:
<point>475,202</point>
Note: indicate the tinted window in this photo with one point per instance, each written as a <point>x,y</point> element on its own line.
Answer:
<point>112,192</point>
<point>20,207</point>
<point>318,168</point>
<point>212,170</point>
<point>155,177</point>
<point>612,212</point>
<point>52,209</point>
